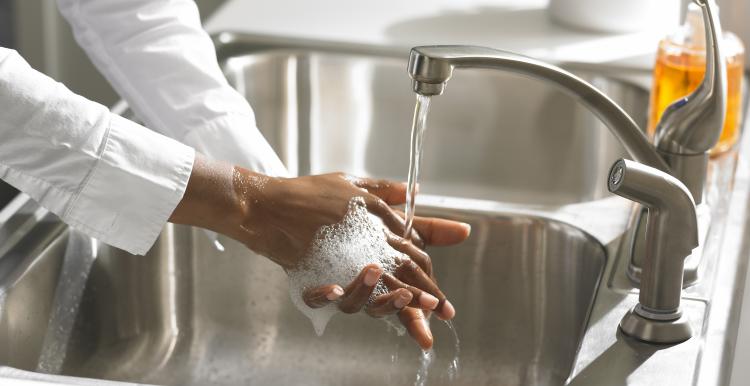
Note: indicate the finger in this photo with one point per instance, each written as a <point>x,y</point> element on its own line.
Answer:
<point>409,272</point>
<point>417,254</point>
<point>393,193</point>
<point>439,231</point>
<point>416,323</point>
<point>420,299</point>
<point>323,295</point>
<point>391,219</point>
<point>358,292</point>
<point>389,303</point>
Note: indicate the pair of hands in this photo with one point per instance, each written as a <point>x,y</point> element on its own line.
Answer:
<point>279,217</point>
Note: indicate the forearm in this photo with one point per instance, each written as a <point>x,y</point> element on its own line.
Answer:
<point>104,175</point>
<point>210,200</point>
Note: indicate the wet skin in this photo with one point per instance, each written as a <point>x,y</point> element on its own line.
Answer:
<point>279,217</point>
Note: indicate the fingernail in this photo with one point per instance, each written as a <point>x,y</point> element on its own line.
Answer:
<point>428,301</point>
<point>371,277</point>
<point>335,293</point>
<point>467,227</point>
<point>448,311</point>
<point>401,301</point>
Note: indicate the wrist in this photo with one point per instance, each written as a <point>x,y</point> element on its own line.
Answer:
<point>209,200</point>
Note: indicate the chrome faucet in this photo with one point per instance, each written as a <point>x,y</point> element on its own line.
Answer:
<point>672,171</point>
<point>671,236</point>
<point>691,126</point>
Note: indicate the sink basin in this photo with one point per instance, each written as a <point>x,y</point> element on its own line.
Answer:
<point>491,135</point>
<point>186,314</point>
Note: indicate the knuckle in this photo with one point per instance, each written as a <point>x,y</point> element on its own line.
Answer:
<point>382,205</point>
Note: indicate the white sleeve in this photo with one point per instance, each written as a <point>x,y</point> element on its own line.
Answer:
<point>158,57</point>
<point>102,174</point>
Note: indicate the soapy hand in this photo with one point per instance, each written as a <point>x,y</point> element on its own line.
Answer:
<point>279,217</point>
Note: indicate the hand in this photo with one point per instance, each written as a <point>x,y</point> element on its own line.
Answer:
<point>279,218</point>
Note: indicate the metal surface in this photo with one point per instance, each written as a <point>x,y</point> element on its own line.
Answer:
<point>672,231</point>
<point>692,125</point>
<point>331,111</point>
<point>671,235</point>
<point>433,65</point>
<point>188,314</point>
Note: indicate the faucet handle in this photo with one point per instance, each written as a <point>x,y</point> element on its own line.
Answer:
<point>692,125</point>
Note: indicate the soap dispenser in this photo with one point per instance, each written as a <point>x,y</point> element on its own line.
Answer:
<point>679,69</point>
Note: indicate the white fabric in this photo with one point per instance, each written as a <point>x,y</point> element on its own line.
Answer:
<point>158,57</point>
<point>104,175</point>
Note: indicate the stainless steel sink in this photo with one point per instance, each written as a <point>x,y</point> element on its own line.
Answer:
<point>494,136</point>
<point>188,315</point>
<point>531,310</point>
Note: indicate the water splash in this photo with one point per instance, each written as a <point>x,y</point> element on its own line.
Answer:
<point>425,362</point>
<point>454,366</point>
<point>415,158</point>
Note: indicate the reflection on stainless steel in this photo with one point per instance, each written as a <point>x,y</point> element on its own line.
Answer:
<point>671,236</point>
<point>523,285</point>
<point>328,111</point>
<point>184,314</point>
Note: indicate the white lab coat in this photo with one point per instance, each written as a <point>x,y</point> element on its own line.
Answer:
<point>102,174</point>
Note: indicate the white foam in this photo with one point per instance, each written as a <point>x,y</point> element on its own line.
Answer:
<point>337,255</point>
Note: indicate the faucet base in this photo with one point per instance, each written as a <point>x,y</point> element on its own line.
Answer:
<point>672,331</point>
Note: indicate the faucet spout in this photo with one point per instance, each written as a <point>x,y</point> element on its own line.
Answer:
<point>430,68</point>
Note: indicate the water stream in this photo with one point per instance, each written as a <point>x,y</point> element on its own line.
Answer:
<point>415,158</point>
<point>419,125</point>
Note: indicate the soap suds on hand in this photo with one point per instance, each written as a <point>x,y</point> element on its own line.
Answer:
<point>336,256</point>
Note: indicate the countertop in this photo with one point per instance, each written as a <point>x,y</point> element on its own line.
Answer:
<point>514,25</point>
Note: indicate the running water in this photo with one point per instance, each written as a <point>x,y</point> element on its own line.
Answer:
<point>419,125</point>
<point>428,356</point>
<point>453,368</point>
<point>415,157</point>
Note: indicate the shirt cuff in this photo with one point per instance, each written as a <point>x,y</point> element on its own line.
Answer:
<point>135,186</point>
